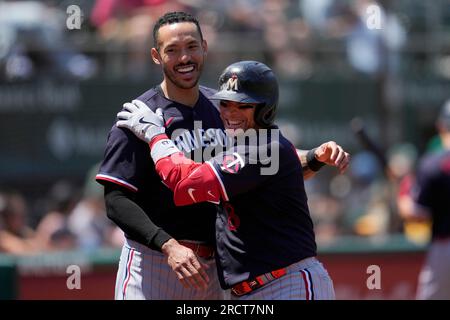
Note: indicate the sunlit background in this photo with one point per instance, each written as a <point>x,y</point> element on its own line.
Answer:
<point>380,65</point>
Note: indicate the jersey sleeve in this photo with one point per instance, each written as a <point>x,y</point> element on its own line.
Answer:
<point>239,170</point>
<point>191,182</point>
<point>125,157</point>
<point>230,173</point>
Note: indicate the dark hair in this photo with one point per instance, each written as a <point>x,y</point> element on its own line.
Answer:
<point>174,17</point>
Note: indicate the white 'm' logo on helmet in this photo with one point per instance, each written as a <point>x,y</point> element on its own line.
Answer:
<point>232,83</point>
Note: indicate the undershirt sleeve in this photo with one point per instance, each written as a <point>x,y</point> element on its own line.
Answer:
<point>121,208</point>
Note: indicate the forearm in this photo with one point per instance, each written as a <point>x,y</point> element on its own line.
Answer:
<point>174,168</point>
<point>190,182</point>
<point>182,175</point>
<point>121,209</point>
<point>305,161</point>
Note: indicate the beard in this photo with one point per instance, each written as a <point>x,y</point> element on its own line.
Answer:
<point>182,84</point>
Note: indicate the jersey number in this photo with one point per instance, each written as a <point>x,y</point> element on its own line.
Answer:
<point>233,218</point>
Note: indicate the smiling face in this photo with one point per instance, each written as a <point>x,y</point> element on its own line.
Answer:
<point>237,115</point>
<point>181,53</point>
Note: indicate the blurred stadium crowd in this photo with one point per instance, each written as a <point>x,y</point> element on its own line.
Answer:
<point>71,218</point>
<point>296,37</point>
<point>300,39</point>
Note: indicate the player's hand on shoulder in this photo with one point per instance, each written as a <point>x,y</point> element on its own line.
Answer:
<point>333,155</point>
<point>183,261</point>
<point>141,120</point>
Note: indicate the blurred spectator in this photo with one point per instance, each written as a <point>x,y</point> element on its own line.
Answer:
<point>402,159</point>
<point>33,43</point>
<point>76,221</point>
<point>88,220</point>
<point>316,13</point>
<point>367,207</point>
<point>288,38</point>
<point>326,213</point>
<point>16,237</point>
<point>429,199</point>
<point>128,24</point>
<point>53,230</point>
<point>373,35</point>
<point>105,11</point>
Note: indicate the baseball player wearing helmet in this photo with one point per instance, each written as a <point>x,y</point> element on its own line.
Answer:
<point>265,242</point>
<point>429,200</point>
<point>168,253</point>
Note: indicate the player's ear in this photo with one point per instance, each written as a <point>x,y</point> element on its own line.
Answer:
<point>155,56</point>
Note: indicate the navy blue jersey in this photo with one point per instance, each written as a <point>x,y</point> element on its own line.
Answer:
<point>265,224</point>
<point>433,178</point>
<point>127,162</point>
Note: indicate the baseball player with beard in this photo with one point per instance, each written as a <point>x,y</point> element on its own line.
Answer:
<point>168,253</point>
<point>265,243</point>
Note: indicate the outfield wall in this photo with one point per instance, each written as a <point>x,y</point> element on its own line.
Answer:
<point>353,263</point>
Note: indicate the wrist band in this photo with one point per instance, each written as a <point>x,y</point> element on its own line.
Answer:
<point>312,162</point>
<point>162,148</point>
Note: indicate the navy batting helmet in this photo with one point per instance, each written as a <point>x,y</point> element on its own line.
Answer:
<point>251,82</point>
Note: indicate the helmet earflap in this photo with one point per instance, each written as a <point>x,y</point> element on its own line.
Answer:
<point>264,117</point>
